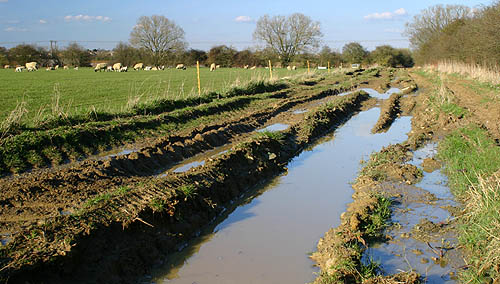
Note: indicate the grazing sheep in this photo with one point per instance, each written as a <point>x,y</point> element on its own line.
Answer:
<point>65,67</point>
<point>139,66</point>
<point>76,68</point>
<point>212,67</point>
<point>49,68</point>
<point>124,69</point>
<point>253,67</point>
<point>154,68</point>
<point>109,69</point>
<point>161,67</point>
<point>294,67</point>
<point>6,66</point>
<point>19,68</point>
<point>148,68</point>
<point>180,66</point>
<point>31,66</point>
<point>100,67</point>
<point>117,67</point>
<point>56,67</point>
<point>246,67</point>
<point>217,66</point>
<point>289,67</point>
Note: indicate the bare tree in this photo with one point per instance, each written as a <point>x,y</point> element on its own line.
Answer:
<point>158,35</point>
<point>432,21</point>
<point>288,36</point>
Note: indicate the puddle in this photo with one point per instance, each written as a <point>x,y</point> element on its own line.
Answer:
<point>5,239</point>
<point>384,96</point>
<point>274,127</point>
<point>267,239</point>
<point>300,111</point>
<point>186,167</point>
<point>345,93</point>
<point>405,252</point>
<point>114,153</point>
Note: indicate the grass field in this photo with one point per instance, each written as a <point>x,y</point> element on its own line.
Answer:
<point>78,91</point>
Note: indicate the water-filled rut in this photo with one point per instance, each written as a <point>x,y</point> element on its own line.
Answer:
<point>267,238</point>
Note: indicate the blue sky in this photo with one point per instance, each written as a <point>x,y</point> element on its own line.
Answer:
<point>103,23</point>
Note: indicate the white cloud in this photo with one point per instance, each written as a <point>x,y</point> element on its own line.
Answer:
<point>401,12</point>
<point>15,29</point>
<point>243,19</point>
<point>42,21</point>
<point>86,18</point>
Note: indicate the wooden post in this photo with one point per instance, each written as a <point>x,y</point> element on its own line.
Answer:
<point>199,83</point>
<point>270,70</point>
<point>328,66</point>
<point>307,66</point>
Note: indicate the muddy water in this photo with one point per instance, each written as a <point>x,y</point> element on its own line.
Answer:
<point>268,237</point>
<point>274,127</point>
<point>384,96</point>
<point>408,249</point>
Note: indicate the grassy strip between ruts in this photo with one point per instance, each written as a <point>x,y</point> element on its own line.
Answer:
<point>340,251</point>
<point>177,206</point>
<point>473,166</point>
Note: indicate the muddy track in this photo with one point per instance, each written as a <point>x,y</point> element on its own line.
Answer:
<point>122,235</point>
<point>389,110</point>
<point>37,197</point>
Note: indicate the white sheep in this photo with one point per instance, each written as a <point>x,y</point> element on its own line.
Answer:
<point>246,67</point>
<point>109,69</point>
<point>253,67</point>
<point>19,69</point>
<point>31,66</point>
<point>49,68</point>
<point>212,67</point>
<point>57,67</point>
<point>139,66</point>
<point>289,67</point>
<point>124,69</point>
<point>294,67</point>
<point>161,67</point>
<point>100,67</point>
<point>180,66</point>
<point>65,67</point>
<point>6,66</point>
<point>117,67</point>
<point>154,68</point>
<point>217,66</point>
<point>76,68</point>
<point>148,68</point>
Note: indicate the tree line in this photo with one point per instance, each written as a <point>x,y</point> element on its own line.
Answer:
<point>458,33</point>
<point>157,41</point>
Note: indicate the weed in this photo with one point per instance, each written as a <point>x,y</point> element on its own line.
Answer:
<point>122,190</point>
<point>98,199</point>
<point>378,218</point>
<point>274,135</point>
<point>157,204</point>
<point>188,190</point>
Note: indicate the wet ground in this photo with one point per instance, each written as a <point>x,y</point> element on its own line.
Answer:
<point>268,238</point>
<point>421,236</point>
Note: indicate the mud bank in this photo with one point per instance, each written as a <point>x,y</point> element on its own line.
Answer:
<point>122,234</point>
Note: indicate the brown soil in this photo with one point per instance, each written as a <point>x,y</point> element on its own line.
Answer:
<point>111,220</point>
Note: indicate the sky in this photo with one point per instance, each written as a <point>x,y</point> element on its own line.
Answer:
<point>206,23</point>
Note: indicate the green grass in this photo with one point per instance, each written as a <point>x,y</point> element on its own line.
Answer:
<point>85,91</point>
<point>473,166</point>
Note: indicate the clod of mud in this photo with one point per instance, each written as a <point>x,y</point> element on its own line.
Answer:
<point>389,111</point>
<point>430,164</point>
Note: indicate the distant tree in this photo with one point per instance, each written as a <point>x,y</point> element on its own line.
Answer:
<point>354,53</point>
<point>75,55</point>
<point>125,54</point>
<point>4,60</point>
<point>389,56</point>
<point>288,36</point>
<point>158,35</point>
<point>23,53</point>
<point>327,55</point>
<point>221,55</point>
<point>245,57</point>
<point>193,55</point>
<point>431,21</point>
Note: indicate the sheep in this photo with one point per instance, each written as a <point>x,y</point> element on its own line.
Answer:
<point>109,69</point>
<point>6,66</point>
<point>139,66</point>
<point>76,68</point>
<point>154,68</point>
<point>253,67</point>
<point>289,67</point>
<point>100,67</point>
<point>148,68</point>
<point>217,66</point>
<point>65,67</point>
<point>246,67</point>
<point>124,69</point>
<point>31,66</point>
<point>49,68</point>
<point>56,67</point>
<point>212,67</point>
<point>161,67</point>
<point>294,67</point>
<point>19,69</point>
<point>117,67</point>
<point>180,66</point>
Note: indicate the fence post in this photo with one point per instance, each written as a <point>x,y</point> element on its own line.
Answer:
<point>270,70</point>
<point>328,66</point>
<point>307,66</point>
<point>199,83</point>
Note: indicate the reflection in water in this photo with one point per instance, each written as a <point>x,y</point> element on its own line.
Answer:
<point>275,127</point>
<point>399,254</point>
<point>384,96</point>
<point>186,167</point>
<point>267,240</point>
